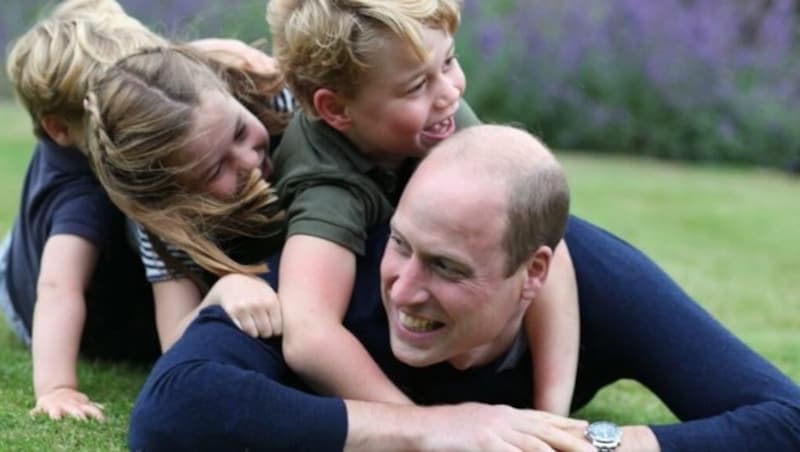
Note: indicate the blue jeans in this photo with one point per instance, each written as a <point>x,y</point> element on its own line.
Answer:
<point>14,320</point>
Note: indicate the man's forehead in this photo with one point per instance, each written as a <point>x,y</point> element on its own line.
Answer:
<point>450,211</point>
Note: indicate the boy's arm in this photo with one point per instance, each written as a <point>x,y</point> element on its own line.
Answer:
<point>316,280</point>
<point>553,327</point>
<point>67,265</point>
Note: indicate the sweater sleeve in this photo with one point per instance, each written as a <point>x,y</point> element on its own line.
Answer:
<point>219,389</point>
<point>641,325</point>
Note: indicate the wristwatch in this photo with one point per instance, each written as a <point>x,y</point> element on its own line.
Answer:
<point>605,436</point>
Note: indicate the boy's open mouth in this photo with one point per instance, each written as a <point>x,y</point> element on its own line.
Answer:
<point>441,129</point>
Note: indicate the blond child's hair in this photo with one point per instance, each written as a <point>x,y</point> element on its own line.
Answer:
<point>140,114</point>
<point>330,43</point>
<point>51,64</point>
<point>90,7</point>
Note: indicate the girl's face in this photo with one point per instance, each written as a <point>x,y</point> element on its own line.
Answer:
<point>228,142</point>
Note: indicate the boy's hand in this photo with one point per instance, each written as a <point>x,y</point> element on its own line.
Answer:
<point>251,303</point>
<point>70,402</point>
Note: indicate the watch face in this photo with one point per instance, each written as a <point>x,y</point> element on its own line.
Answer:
<point>604,432</point>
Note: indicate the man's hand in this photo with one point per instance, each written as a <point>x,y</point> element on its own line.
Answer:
<point>67,401</point>
<point>474,426</point>
<point>467,426</point>
<point>251,303</point>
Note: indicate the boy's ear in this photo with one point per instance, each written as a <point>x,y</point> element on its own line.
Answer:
<point>332,109</point>
<point>58,130</point>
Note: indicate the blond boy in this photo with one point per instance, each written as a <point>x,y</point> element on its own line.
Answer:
<point>69,270</point>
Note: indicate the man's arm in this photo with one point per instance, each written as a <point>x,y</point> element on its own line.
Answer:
<point>219,389</point>
<point>637,323</point>
<point>67,265</point>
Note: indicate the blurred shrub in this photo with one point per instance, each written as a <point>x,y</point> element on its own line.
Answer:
<point>709,80</point>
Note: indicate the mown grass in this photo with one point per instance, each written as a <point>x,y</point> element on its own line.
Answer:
<point>728,235</point>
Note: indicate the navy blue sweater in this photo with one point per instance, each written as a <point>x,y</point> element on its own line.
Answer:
<point>218,389</point>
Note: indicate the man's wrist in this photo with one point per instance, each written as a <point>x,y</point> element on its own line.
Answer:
<point>382,426</point>
<point>638,438</point>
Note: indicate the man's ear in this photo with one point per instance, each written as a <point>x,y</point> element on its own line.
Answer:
<point>58,130</point>
<point>536,269</point>
<point>332,108</point>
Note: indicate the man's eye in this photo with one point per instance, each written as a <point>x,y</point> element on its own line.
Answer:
<point>399,243</point>
<point>446,268</point>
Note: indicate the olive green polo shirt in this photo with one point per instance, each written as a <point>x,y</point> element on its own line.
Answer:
<point>330,189</point>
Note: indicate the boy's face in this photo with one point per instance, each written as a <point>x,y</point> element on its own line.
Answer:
<point>406,106</point>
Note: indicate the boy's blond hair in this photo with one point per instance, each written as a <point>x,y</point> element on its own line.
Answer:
<point>90,7</point>
<point>140,116</point>
<point>51,64</point>
<point>330,43</point>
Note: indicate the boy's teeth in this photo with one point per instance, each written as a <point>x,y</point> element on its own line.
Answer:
<point>417,324</point>
<point>440,126</point>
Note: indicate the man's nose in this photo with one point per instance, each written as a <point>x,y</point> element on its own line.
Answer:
<point>409,286</point>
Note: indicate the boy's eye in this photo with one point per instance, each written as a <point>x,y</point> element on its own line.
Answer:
<point>450,60</point>
<point>418,86</point>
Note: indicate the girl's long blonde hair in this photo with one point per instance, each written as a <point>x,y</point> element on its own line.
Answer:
<point>139,114</point>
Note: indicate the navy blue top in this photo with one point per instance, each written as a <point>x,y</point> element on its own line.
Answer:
<point>61,195</point>
<point>220,389</point>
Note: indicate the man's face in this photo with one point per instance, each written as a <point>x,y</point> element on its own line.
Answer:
<point>442,277</point>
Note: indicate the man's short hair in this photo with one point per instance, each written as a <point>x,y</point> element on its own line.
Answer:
<point>537,193</point>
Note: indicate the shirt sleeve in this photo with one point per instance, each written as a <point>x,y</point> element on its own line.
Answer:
<point>465,117</point>
<point>284,102</point>
<point>88,214</point>
<point>219,389</point>
<point>155,267</point>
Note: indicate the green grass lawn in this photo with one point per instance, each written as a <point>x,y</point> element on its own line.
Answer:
<point>729,236</point>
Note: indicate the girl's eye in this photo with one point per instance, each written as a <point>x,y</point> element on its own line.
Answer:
<point>214,174</point>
